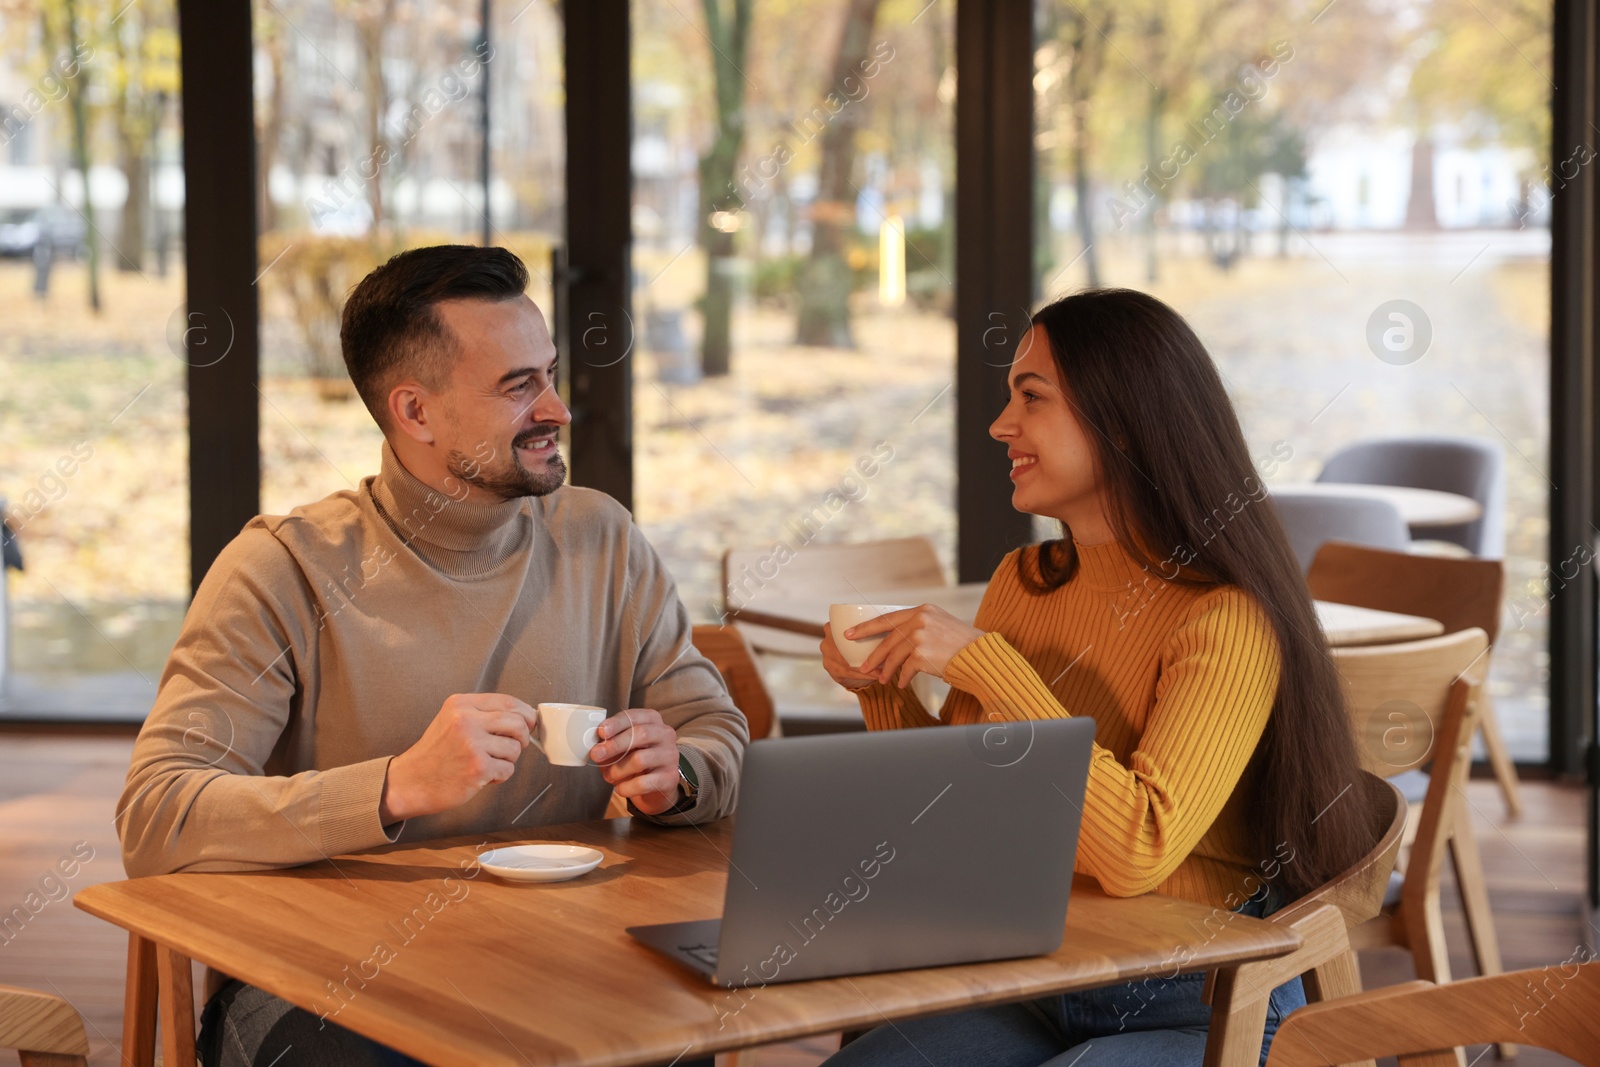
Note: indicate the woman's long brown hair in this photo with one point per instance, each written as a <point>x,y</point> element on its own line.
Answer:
<point>1180,483</point>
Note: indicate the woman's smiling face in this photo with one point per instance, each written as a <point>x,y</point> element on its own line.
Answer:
<point>1053,471</point>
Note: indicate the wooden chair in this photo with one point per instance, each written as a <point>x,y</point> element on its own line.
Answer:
<point>44,1029</point>
<point>1325,961</point>
<point>729,652</point>
<point>1412,703</point>
<point>1555,1007</point>
<point>1459,592</point>
<point>842,570</point>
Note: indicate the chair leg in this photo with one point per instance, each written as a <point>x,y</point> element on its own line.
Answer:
<point>1505,772</point>
<point>1424,932</point>
<point>1337,977</point>
<point>1238,1019</point>
<point>49,1059</point>
<point>1468,866</point>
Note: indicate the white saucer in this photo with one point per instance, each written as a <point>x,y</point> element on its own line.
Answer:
<point>540,863</point>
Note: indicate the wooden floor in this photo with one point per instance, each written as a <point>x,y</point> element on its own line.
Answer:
<point>58,794</point>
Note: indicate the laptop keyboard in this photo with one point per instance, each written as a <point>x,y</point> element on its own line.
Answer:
<point>706,954</point>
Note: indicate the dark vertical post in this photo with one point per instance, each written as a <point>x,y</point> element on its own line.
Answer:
<point>599,202</point>
<point>1572,392</point>
<point>218,327</point>
<point>994,263</point>
<point>483,123</point>
<point>1574,287</point>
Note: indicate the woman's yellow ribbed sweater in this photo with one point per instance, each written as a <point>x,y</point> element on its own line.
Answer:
<point>1179,680</point>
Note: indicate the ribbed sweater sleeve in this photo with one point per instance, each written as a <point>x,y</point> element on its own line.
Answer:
<point>887,707</point>
<point>1142,818</point>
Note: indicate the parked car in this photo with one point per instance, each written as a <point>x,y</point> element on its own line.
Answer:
<point>23,229</point>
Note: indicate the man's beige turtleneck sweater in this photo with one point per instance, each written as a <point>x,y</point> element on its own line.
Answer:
<point>322,643</point>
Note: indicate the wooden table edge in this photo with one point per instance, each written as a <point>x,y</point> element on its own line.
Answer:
<point>671,1044</point>
<point>757,617</point>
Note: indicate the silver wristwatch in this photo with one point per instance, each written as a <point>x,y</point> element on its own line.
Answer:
<point>688,781</point>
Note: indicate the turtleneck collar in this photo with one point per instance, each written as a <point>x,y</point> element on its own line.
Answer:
<point>461,539</point>
<point>1108,567</point>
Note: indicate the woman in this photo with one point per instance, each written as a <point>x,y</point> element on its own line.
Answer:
<point>1173,612</point>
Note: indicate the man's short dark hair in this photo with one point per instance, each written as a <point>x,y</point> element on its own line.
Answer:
<point>390,328</point>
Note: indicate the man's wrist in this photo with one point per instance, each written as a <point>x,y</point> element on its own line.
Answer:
<point>393,803</point>
<point>688,786</point>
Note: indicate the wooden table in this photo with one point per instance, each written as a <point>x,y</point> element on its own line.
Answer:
<point>488,972</point>
<point>1346,624</point>
<point>1420,508</point>
<point>1342,624</point>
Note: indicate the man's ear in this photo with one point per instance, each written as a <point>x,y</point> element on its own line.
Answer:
<point>410,407</point>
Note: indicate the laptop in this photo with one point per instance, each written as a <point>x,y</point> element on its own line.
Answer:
<point>890,850</point>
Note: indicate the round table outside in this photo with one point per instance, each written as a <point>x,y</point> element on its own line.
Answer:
<point>1419,508</point>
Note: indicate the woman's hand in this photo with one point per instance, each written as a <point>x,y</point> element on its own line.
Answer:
<point>922,639</point>
<point>839,670</point>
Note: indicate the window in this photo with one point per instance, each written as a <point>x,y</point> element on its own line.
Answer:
<point>94,473</point>
<point>1279,172</point>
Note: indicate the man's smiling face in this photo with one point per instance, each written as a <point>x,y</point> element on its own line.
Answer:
<point>500,406</point>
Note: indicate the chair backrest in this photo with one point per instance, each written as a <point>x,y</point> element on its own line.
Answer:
<point>42,1027</point>
<point>1551,1007</point>
<point>836,571</point>
<point>730,653</point>
<point>1470,466</point>
<point>1460,593</point>
<point>1358,892</point>
<point>1400,696</point>
<point>1311,520</point>
<point>1415,704</point>
<point>748,574</point>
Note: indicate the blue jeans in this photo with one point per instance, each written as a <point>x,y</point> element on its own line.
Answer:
<point>1158,1022</point>
<point>243,1026</point>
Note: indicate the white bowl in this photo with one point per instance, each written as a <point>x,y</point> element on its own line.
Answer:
<point>540,863</point>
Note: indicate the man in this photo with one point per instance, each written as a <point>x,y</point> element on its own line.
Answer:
<point>364,670</point>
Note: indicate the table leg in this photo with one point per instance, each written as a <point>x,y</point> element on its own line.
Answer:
<point>177,1007</point>
<point>140,1004</point>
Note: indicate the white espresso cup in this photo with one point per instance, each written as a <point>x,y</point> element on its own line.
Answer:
<point>566,732</point>
<point>843,616</point>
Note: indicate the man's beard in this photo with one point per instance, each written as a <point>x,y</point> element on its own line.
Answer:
<point>510,479</point>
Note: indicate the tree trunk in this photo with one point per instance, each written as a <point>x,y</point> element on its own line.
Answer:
<point>1420,211</point>
<point>1080,186</point>
<point>729,35</point>
<point>1085,49</point>
<point>270,135</point>
<point>76,90</point>
<point>135,210</point>
<point>370,169</point>
<point>133,125</point>
<point>825,282</point>
<point>1155,109</point>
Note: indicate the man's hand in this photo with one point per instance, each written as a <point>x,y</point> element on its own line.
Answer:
<point>638,754</point>
<point>922,639</point>
<point>475,739</point>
